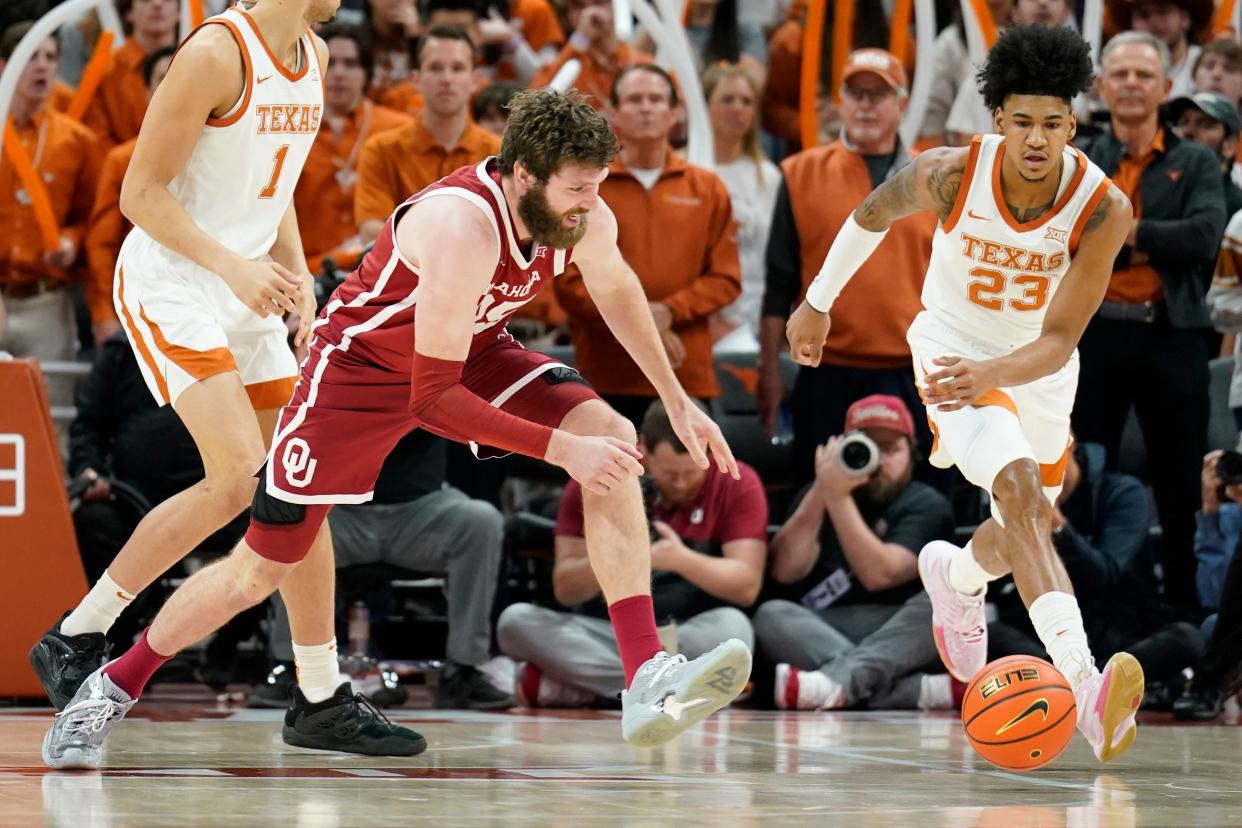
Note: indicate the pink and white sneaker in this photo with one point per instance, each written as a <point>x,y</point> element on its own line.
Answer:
<point>534,689</point>
<point>1107,703</point>
<point>806,690</point>
<point>959,625</point>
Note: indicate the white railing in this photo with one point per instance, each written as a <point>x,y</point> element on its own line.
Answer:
<point>45,27</point>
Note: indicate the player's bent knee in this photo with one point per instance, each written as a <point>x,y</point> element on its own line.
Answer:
<point>257,577</point>
<point>513,628</point>
<point>1019,492</point>
<point>281,531</point>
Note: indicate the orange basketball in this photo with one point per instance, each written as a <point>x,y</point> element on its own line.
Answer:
<point>1019,713</point>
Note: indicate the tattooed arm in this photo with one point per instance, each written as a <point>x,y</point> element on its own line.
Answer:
<point>929,182</point>
<point>960,382</point>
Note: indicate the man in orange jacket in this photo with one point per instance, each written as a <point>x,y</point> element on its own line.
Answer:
<point>324,198</point>
<point>108,227</point>
<point>675,228</point>
<point>399,163</point>
<point>866,351</point>
<point>60,164</point>
<point>120,102</point>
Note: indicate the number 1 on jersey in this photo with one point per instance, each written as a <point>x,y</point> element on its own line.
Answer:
<point>278,163</point>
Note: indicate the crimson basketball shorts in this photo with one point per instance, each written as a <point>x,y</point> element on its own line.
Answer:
<point>344,419</point>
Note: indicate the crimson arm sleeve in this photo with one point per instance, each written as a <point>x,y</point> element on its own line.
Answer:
<point>438,399</point>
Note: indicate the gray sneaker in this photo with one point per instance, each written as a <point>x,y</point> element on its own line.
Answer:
<point>669,694</point>
<point>75,740</point>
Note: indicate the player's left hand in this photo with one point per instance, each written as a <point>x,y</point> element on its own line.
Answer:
<point>958,383</point>
<point>700,435</point>
<point>305,309</point>
<point>667,551</point>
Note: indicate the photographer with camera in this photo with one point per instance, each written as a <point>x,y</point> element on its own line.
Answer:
<point>708,544</point>
<point>1219,583</point>
<point>857,620</point>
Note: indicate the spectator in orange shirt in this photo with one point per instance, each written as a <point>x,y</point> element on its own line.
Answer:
<point>120,101</point>
<point>675,228</point>
<point>399,163</point>
<point>595,46</point>
<point>324,198</point>
<point>64,158</point>
<point>108,227</point>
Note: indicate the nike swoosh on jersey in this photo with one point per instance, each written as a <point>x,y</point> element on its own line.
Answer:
<point>673,708</point>
<point>1037,706</point>
<point>971,213</point>
<point>261,80</point>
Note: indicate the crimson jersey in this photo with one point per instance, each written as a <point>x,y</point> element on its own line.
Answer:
<point>370,317</point>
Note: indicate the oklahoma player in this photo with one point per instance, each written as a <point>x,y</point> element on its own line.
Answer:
<point>1028,232</point>
<point>415,338</point>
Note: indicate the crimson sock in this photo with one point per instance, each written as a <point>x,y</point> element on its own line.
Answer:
<point>132,671</point>
<point>633,623</point>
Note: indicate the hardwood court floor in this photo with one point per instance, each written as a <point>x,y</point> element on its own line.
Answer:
<point>185,762</point>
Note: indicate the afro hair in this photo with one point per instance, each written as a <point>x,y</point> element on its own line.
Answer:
<point>1036,60</point>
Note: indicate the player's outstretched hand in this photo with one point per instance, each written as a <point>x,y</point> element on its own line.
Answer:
<point>958,383</point>
<point>306,309</point>
<point>806,331</point>
<point>264,287</point>
<point>700,435</point>
<point>599,464</point>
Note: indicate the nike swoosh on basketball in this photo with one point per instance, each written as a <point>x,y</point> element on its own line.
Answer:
<point>1037,706</point>
<point>261,80</point>
<point>673,708</point>
<point>971,213</point>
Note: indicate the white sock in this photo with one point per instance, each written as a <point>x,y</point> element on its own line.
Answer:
<point>319,674</point>
<point>1058,622</point>
<point>99,609</point>
<point>965,574</point>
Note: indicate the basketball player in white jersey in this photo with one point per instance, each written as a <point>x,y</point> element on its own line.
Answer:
<point>1028,232</point>
<point>202,283</point>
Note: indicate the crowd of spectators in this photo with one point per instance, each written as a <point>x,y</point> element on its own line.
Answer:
<point>826,587</point>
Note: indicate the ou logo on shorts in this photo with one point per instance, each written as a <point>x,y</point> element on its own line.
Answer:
<point>298,464</point>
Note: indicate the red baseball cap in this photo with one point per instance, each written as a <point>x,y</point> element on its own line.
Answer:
<point>877,62</point>
<point>880,411</point>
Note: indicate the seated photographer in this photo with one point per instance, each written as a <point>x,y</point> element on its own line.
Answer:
<point>1219,581</point>
<point>1100,530</point>
<point>417,523</point>
<point>708,543</point>
<point>857,625</point>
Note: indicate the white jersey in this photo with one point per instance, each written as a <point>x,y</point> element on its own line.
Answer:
<point>991,277</point>
<point>240,178</point>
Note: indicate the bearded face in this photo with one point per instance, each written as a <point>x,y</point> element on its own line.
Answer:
<point>546,225</point>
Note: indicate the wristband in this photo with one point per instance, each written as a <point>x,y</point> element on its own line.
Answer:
<point>850,249</point>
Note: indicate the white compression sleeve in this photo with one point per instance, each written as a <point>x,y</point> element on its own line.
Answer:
<point>850,249</point>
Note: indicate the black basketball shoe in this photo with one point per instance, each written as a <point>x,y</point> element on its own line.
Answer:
<point>465,688</point>
<point>62,662</point>
<point>348,722</point>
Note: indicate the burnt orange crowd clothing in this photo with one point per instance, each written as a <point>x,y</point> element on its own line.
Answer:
<point>115,113</point>
<point>108,228</point>
<point>540,27</point>
<point>1136,283</point>
<point>61,97</point>
<point>680,239</point>
<point>324,198</point>
<point>397,164</point>
<point>872,314</point>
<point>595,78</point>
<point>782,92</point>
<point>66,156</point>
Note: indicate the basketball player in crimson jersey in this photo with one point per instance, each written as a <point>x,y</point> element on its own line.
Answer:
<point>202,281</point>
<point>1028,232</point>
<point>415,338</point>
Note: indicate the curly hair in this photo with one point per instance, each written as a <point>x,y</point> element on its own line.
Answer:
<point>1036,60</point>
<point>548,129</point>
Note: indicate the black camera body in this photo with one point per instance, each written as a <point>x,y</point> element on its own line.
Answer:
<point>1228,471</point>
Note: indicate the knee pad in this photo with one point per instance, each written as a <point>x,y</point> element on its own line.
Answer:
<point>282,531</point>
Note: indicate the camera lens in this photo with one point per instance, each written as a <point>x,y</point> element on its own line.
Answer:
<point>855,456</point>
<point>858,455</point>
